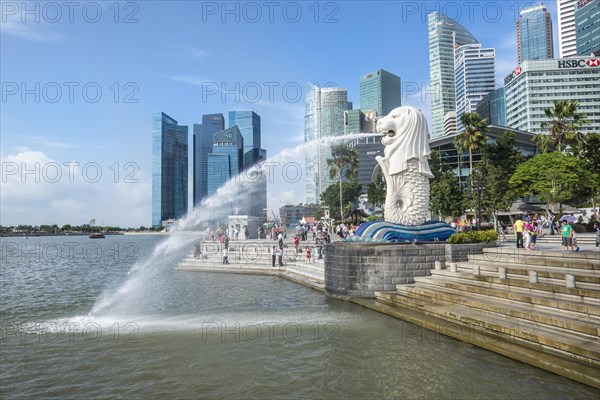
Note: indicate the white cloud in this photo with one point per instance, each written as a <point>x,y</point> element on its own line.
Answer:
<point>37,32</point>
<point>196,53</point>
<point>191,80</point>
<point>37,189</point>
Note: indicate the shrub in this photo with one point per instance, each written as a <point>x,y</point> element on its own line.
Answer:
<point>487,236</point>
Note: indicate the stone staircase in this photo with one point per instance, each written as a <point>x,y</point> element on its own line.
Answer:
<point>254,257</point>
<point>587,238</point>
<point>539,307</point>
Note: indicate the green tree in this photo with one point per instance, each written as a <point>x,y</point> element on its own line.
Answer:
<point>376,189</point>
<point>587,150</point>
<point>343,163</point>
<point>499,161</point>
<point>472,138</point>
<point>436,165</point>
<point>446,196</point>
<point>555,178</point>
<point>564,123</point>
<point>331,197</point>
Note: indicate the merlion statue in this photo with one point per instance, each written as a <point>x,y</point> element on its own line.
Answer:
<point>405,165</point>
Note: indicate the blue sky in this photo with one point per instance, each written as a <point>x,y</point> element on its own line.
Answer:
<point>170,56</point>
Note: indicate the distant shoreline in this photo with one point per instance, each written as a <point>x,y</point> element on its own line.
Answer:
<point>58,234</point>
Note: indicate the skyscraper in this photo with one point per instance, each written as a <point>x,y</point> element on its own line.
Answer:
<point>534,85</point>
<point>312,132</point>
<point>380,91</point>
<point>566,28</point>
<point>441,65</point>
<point>534,34</point>
<point>203,144</point>
<point>169,169</point>
<point>226,159</point>
<point>324,116</point>
<point>493,107</point>
<point>587,27</point>
<point>475,76</point>
<point>248,123</point>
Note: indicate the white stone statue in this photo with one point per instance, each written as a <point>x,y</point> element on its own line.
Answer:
<point>405,165</point>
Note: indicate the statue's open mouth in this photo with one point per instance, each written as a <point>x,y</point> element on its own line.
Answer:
<point>391,133</point>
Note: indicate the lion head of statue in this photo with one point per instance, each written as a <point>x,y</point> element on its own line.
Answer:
<point>406,137</point>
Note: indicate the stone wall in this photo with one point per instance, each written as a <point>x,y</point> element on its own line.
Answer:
<point>460,252</point>
<point>361,269</point>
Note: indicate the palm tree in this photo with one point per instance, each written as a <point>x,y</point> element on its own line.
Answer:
<point>343,161</point>
<point>472,138</point>
<point>564,123</point>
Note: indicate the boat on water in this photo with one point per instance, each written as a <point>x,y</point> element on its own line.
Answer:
<point>97,236</point>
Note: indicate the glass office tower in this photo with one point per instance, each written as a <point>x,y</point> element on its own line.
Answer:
<point>587,27</point>
<point>475,76</point>
<point>203,144</point>
<point>380,91</point>
<point>534,34</point>
<point>169,169</point>
<point>443,33</point>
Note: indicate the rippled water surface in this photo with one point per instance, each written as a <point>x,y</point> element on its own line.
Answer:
<point>106,318</point>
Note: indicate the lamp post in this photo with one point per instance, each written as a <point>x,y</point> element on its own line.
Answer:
<point>478,188</point>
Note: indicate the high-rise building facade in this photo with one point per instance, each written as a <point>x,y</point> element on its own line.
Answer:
<point>587,27</point>
<point>312,132</point>
<point>534,85</point>
<point>203,146</point>
<point>493,107</point>
<point>534,34</point>
<point>475,76</point>
<point>359,121</point>
<point>443,33</point>
<point>324,117</point>
<point>249,124</point>
<point>169,169</point>
<point>226,159</point>
<point>567,43</point>
<point>380,91</point>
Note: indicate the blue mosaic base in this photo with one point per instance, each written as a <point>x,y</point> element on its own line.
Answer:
<point>382,231</point>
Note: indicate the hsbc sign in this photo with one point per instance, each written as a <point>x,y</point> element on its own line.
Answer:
<point>592,62</point>
<point>516,72</point>
<point>562,64</point>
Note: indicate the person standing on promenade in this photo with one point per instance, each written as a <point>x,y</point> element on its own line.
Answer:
<point>308,254</point>
<point>518,228</point>
<point>226,256</point>
<point>280,256</point>
<point>297,243</point>
<point>567,240</point>
<point>222,240</point>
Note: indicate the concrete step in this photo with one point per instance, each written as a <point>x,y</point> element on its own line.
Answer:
<point>550,283</point>
<point>582,290</point>
<point>532,258</point>
<point>581,275</point>
<point>318,276</point>
<point>522,294</point>
<point>566,320</point>
<point>590,255</point>
<point>574,345</point>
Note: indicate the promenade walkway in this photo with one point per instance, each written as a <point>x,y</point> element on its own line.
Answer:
<point>254,257</point>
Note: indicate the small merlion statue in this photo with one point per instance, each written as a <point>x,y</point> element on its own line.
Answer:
<point>405,165</point>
